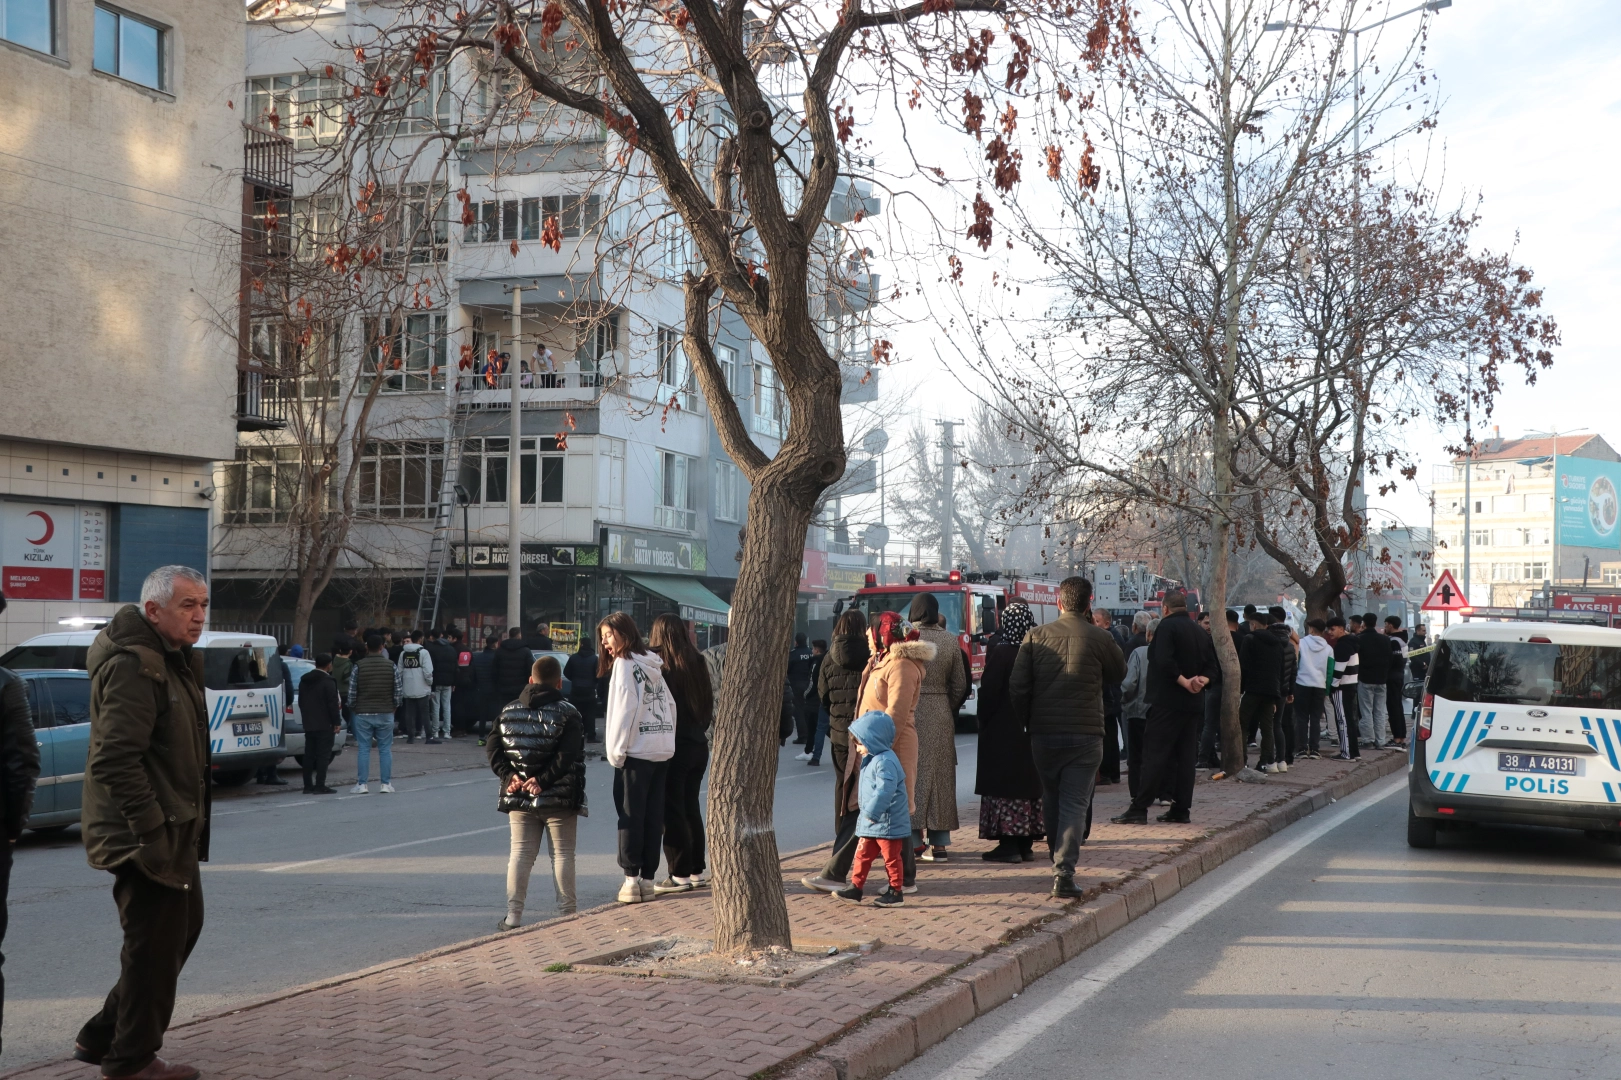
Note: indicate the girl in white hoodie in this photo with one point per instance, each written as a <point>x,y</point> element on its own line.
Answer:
<point>639,740</point>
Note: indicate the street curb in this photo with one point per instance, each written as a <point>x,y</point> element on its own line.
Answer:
<point>901,1031</point>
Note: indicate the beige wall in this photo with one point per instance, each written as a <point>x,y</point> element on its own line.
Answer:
<point>116,271</point>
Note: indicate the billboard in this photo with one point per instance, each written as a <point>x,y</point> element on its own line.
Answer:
<point>1587,507</point>
<point>53,551</point>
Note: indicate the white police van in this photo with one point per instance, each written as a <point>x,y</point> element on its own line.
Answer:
<point>1520,724</point>
<point>243,684</point>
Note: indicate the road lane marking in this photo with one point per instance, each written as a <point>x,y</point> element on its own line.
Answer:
<point>386,847</point>
<point>1021,1032</point>
<point>1373,907</point>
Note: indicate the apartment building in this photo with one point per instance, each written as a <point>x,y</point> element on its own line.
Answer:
<point>1541,511</point>
<point>626,499</point>
<point>119,158</point>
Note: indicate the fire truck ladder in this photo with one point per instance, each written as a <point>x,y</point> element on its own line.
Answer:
<point>433,574</point>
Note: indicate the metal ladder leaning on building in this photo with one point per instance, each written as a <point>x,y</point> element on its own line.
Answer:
<point>433,573</point>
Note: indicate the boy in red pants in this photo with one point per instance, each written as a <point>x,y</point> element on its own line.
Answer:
<point>885,824</point>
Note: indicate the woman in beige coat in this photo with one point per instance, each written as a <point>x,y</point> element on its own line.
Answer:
<point>891,684</point>
<point>945,687</point>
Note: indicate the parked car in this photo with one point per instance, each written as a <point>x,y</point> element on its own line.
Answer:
<point>292,725</point>
<point>60,703</point>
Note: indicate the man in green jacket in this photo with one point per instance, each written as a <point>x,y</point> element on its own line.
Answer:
<point>145,812</point>
<point>1056,691</point>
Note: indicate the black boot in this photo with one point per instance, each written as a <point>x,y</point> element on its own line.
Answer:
<point>1027,849</point>
<point>1131,817</point>
<point>1064,887</point>
<point>1175,816</point>
<point>1005,851</point>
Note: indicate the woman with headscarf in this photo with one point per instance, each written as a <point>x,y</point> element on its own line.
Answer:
<point>891,684</point>
<point>944,689</point>
<point>1006,781</point>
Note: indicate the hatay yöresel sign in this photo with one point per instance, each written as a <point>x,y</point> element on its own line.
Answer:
<point>53,551</point>
<point>1587,509</point>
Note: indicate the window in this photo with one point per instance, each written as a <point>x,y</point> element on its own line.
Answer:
<point>1534,571</point>
<point>1481,538</point>
<point>308,109</point>
<point>767,401</point>
<point>1539,504</point>
<point>261,484</point>
<point>1505,571</point>
<point>611,475</point>
<point>1508,504</point>
<point>495,221</point>
<point>674,509</point>
<point>484,470</point>
<point>1612,575</point>
<point>675,374</point>
<point>677,248</point>
<point>401,479</point>
<point>427,105</point>
<point>29,22</point>
<point>729,495</point>
<point>576,214</point>
<point>596,351</point>
<point>1506,537</point>
<point>407,351</point>
<point>424,224</point>
<point>726,358</point>
<point>128,47</point>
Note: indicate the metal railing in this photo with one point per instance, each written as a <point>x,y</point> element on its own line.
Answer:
<point>674,518</point>
<point>267,160</point>
<point>260,406</point>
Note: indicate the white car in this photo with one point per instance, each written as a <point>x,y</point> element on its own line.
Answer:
<point>243,687</point>
<point>1520,724</point>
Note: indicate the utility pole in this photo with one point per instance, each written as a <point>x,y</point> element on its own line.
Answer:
<point>948,495</point>
<point>515,470</point>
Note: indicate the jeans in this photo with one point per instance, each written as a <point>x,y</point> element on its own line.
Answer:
<point>639,800</point>
<point>1210,736</point>
<point>1256,713</point>
<point>1170,750</point>
<point>822,721</point>
<point>1068,767</point>
<point>1374,702</point>
<point>527,829</point>
<point>439,714</point>
<point>931,837</point>
<point>1309,701</point>
<point>378,728</point>
<point>683,812</point>
<point>416,716</point>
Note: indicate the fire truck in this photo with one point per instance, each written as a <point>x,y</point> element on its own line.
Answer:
<point>971,606</point>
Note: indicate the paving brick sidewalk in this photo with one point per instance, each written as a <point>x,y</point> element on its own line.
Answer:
<point>488,1008</point>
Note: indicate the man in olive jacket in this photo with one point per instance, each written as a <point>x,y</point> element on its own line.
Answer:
<point>1056,690</point>
<point>145,815</point>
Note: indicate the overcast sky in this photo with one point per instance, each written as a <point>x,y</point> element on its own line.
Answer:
<point>1532,122</point>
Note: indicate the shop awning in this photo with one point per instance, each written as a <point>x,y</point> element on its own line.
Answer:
<point>698,604</point>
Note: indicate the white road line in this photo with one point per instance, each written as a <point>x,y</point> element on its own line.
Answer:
<point>377,850</point>
<point>1020,1033</point>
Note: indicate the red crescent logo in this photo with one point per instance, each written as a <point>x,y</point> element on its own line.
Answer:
<point>50,528</point>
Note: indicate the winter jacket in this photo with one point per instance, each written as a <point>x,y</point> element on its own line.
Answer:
<point>1397,675</point>
<point>1134,691</point>
<point>416,671</point>
<point>691,722</point>
<point>1347,666</point>
<point>540,737</point>
<point>1059,674</point>
<point>839,681</point>
<point>1180,648</point>
<point>342,667</point>
<point>373,685</point>
<point>146,778</point>
<point>318,702</point>
<point>510,670</point>
<point>1420,665</point>
<point>484,670</point>
<point>1291,659</point>
<point>443,655</point>
<point>581,673</point>
<point>1373,656</point>
<point>799,666</point>
<point>1261,664</point>
<point>882,792</point>
<point>19,756</point>
<point>715,664</point>
<point>640,718</point>
<point>1316,668</point>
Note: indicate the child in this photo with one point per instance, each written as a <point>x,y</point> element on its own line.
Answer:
<point>885,824</point>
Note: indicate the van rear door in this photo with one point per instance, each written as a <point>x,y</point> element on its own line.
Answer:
<point>244,690</point>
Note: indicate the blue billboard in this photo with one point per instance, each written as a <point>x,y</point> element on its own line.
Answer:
<point>1587,502</point>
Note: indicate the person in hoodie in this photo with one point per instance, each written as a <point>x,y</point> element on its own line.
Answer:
<point>1314,676</point>
<point>1260,661</point>
<point>885,827</point>
<point>1343,696</point>
<point>837,683</point>
<point>509,671</point>
<point>638,741</point>
<point>1373,678</point>
<point>415,666</point>
<point>688,680</point>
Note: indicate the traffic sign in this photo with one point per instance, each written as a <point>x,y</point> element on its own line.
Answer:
<point>1445,596</point>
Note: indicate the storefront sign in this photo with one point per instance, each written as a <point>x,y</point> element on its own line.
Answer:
<point>489,556</point>
<point>813,571</point>
<point>844,580</point>
<point>53,551</point>
<point>656,553</point>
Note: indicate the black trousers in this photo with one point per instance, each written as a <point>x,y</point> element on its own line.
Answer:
<point>588,714</point>
<point>804,715</point>
<point>1068,768</point>
<point>639,799</point>
<point>161,926</point>
<point>845,840</point>
<point>317,756</point>
<point>1110,769</point>
<point>1283,742</point>
<point>1257,714</point>
<point>5,890</point>
<point>1134,752</point>
<point>1210,737</point>
<point>683,813</point>
<point>1170,747</point>
<point>1397,708</point>
<point>414,714</point>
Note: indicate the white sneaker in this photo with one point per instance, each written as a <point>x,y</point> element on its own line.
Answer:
<point>1282,766</point>
<point>630,892</point>
<point>387,789</point>
<point>360,789</point>
<point>802,757</point>
<point>649,890</point>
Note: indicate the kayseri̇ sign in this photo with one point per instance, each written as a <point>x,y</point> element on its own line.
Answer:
<point>632,549</point>
<point>494,556</point>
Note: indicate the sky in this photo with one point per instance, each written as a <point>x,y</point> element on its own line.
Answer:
<point>1530,122</point>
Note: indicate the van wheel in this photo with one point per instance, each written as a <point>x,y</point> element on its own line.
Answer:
<point>233,777</point>
<point>1420,831</point>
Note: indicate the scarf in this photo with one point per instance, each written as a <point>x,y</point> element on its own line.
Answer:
<point>888,628</point>
<point>1017,621</point>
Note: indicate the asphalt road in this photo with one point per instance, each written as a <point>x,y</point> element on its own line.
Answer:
<point>398,874</point>
<point>1333,949</point>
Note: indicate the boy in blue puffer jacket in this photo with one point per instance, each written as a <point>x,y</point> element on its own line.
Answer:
<point>885,824</point>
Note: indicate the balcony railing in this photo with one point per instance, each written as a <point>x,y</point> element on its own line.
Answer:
<point>260,403</point>
<point>674,518</point>
<point>267,160</point>
<point>495,391</point>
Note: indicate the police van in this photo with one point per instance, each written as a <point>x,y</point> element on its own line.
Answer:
<point>243,683</point>
<point>1520,723</point>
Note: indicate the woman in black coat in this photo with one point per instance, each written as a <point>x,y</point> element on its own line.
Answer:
<point>1006,781</point>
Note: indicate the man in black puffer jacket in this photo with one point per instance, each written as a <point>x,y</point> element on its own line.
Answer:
<point>1283,739</point>
<point>1260,660</point>
<point>538,751</point>
<point>510,670</point>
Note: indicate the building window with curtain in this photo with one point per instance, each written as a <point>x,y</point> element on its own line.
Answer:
<point>675,506</point>
<point>595,354</point>
<point>768,410</point>
<point>261,485</point>
<point>406,351</point>
<point>730,495</point>
<point>675,373</point>
<point>484,469</point>
<point>401,479</point>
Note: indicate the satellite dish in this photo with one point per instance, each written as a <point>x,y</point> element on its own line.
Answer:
<point>875,536</point>
<point>874,441</point>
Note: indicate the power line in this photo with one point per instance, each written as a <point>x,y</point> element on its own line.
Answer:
<point>105,180</point>
<point>109,195</point>
<point>135,238</point>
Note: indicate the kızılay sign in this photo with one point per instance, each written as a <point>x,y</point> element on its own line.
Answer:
<point>53,551</point>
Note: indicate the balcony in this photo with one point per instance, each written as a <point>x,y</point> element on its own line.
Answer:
<point>542,387</point>
<point>267,160</point>
<point>674,518</point>
<point>259,405</point>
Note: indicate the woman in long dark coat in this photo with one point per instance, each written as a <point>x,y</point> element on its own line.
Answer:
<point>1006,781</point>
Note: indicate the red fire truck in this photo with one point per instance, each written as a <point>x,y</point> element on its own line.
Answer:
<point>971,608</point>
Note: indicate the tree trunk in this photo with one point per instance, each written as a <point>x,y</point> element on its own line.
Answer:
<point>750,912</point>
